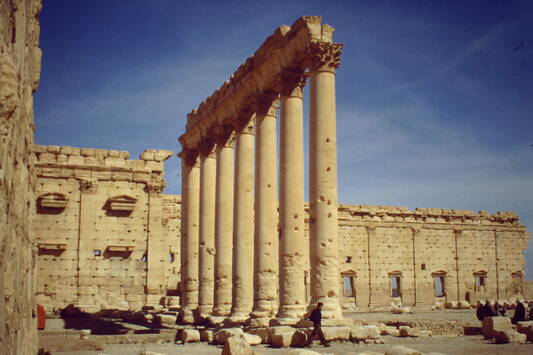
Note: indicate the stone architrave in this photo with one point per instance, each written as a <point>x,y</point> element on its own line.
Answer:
<point>206,249</point>
<point>243,224</point>
<point>190,234</point>
<point>224,224</point>
<point>266,217</point>
<point>292,302</point>
<point>324,58</point>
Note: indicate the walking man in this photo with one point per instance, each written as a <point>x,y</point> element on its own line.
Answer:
<point>316,318</point>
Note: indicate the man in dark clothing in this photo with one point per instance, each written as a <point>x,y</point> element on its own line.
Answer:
<point>519,313</point>
<point>485,311</point>
<point>316,318</point>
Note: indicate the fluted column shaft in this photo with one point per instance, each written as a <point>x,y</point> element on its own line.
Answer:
<point>224,227</point>
<point>323,182</point>
<point>243,233</point>
<point>291,205</point>
<point>207,231</point>
<point>189,234</point>
<point>266,220</point>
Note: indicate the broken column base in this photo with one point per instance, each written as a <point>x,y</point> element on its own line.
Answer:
<point>189,316</point>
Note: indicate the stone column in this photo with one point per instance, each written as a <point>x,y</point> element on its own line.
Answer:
<point>243,224</point>
<point>207,229</point>
<point>189,233</point>
<point>266,217</point>
<point>224,225</point>
<point>292,302</point>
<point>325,58</point>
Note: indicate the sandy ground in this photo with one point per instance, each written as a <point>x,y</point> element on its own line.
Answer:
<point>451,346</point>
<point>465,345</point>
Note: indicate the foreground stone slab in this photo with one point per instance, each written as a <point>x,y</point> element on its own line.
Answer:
<point>365,332</point>
<point>222,335</point>
<point>402,350</point>
<point>509,336</point>
<point>491,325</point>
<point>337,333</point>
<point>286,336</point>
<point>190,336</point>
<point>236,345</point>
<point>406,331</point>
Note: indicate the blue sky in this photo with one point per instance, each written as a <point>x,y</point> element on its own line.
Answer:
<point>434,98</point>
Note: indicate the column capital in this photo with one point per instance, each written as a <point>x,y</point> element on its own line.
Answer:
<point>292,82</point>
<point>247,127</point>
<point>225,136</point>
<point>325,56</point>
<point>190,157</point>
<point>207,148</point>
<point>266,104</point>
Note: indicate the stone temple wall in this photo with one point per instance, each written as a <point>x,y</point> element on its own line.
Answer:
<point>20,62</point>
<point>107,237</point>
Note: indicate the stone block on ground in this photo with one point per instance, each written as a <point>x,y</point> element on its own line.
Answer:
<point>165,320</point>
<point>264,333</point>
<point>389,330</point>
<point>463,305</point>
<point>526,328</point>
<point>509,336</point>
<point>287,337</point>
<point>364,332</point>
<point>206,335</point>
<point>236,345</point>
<point>402,350</point>
<point>253,339</point>
<point>495,324</point>
<point>336,333</point>
<point>406,331</point>
<point>190,336</point>
<point>222,335</point>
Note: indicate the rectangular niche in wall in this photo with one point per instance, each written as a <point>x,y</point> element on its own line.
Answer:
<point>122,205</point>
<point>118,251</point>
<point>51,203</point>
<point>54,249</point>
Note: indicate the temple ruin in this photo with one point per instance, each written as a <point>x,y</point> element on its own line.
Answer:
<point>93,228</point>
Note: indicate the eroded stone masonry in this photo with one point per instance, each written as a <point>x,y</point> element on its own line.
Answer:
<point>20,65</point>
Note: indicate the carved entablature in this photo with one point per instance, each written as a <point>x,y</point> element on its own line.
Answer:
<point>247,127</point>
<point>122,203</point>
<point>324,56</point>
<point>53,200</point>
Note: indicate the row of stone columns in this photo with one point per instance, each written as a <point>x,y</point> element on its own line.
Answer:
<point>233,262</point>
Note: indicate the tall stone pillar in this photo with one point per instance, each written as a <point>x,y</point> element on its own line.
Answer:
<point>325,58</point>
<point>224,225</point>
<point>207,229</point>
<point>266,217</point>
<point>243,224</point>
<point>189,234</point>
<point>292,302</point>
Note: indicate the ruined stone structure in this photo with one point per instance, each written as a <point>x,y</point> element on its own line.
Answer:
<point>20,64</point>
<point>233,237</point>
<point>239,114</point>
<point>106,235</point>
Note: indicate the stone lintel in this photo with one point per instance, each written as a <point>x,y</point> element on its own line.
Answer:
<point>260,74</point>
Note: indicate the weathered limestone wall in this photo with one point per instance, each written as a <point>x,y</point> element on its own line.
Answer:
<point>106,234</point>
<point>378,242</point>
<point>20,62</point>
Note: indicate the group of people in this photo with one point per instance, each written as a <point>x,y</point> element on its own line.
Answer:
<point>521,312</point>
